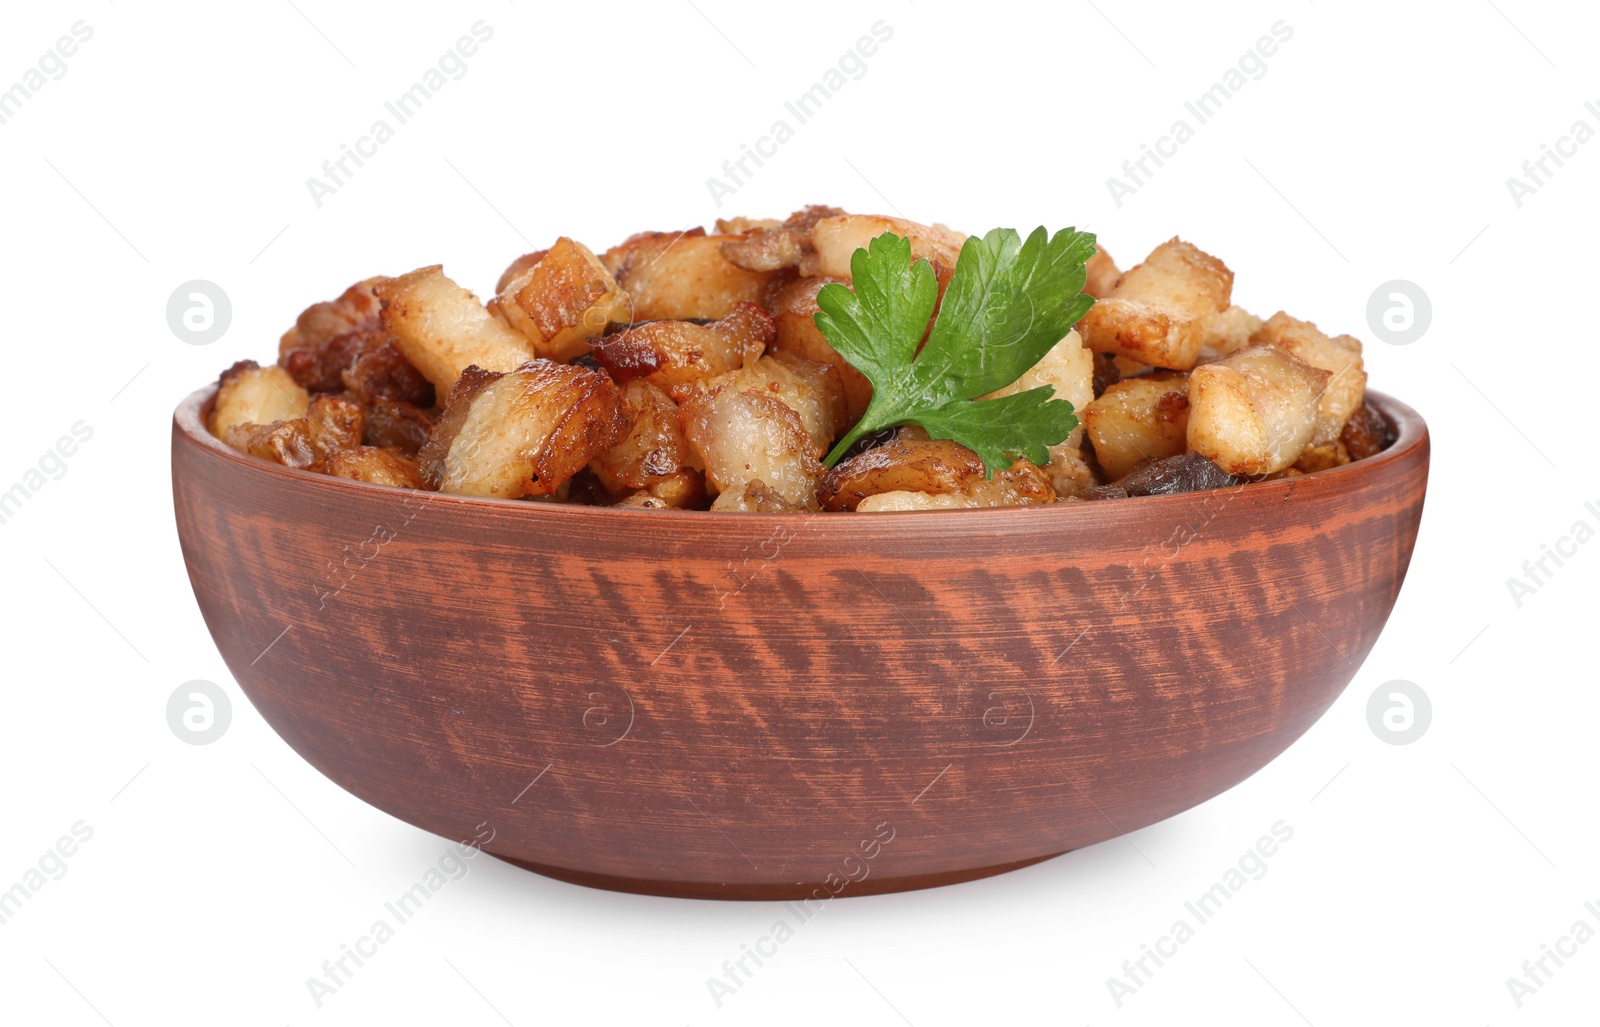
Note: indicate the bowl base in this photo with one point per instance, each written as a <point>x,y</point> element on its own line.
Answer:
<point>767,892</point>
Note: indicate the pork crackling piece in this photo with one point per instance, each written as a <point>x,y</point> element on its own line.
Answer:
<point>442,328</point>
<point>1254,413</point>
<point>1158,311</point>
<point>522,433</point>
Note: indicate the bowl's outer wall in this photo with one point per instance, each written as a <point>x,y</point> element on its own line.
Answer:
<point>734,704</point>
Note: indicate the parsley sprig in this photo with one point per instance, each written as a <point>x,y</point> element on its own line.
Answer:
<point>1007,304</point>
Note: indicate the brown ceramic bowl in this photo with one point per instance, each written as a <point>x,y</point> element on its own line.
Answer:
<point>776,706</point>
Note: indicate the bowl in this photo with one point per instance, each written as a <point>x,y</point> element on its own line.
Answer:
<point>790,706</point>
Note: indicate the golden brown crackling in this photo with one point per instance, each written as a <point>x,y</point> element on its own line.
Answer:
<point>911,462</point>
<point>1157,312</point>
<point>653,449</point>
<point>376,466</point>
<point>523,433</point>
<point>773,245</point>
<point>671,353</point>
<point>682,275</point>
<point>331,425</point>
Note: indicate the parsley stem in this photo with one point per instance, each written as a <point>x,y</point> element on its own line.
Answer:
<point>845,443</point>
<point>872,419</point>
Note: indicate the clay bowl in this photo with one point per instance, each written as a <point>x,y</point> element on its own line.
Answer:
<point>781,706</point>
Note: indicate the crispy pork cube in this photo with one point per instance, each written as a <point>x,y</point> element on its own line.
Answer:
<point>809,387</point>
<point>303,349</point>
<point>654,448</point>
<point>744,435</point>
<point>909,462</point>
<point>771,245</point>
<point>1340,357</point>
<point>673,353</point>
<point>523,432</point>
<point>835,240</point>
<point>1138,420</point>
<point>1101,274</point>
<point>562,301</point>
<point>252,394</point>
<point>517,268</point>
<point>331,425</point>
<point>794,309</point>
<point>1254,412</point>
<point>342,345</point>
<point>1227,332</point>
<point>682,275</point>
<point>1157,312</point>
<point>442,328</point>
<point>376,466</point>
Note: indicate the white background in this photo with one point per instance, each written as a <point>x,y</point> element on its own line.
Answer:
<point>1377,146</point>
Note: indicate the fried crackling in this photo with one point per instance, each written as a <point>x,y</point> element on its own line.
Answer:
<point>772,245</point>
<point>523,432</point>
<point>810,388</point>
<point>673,353</point>
<point>1157,312</point>
<point>740,225</point>
<point>1253,413</point>
<point>1321,456</point>
<point>378,371</point>
<point>442,328</point>
<point>1227,332</point>
<point>835,240</point>
<point>517,268</point>
<point>654,447</point>
<point>1340,356</point>
<point>1138,420</point>
<point>750,434</point>
<point>562,301</point>
<point>376,466</point>
<point>304,349</point>
<point>909,462</point>
<point>341,344</point>
<point>682,275</point>
<point>330,426</point>
<point>252,394</point>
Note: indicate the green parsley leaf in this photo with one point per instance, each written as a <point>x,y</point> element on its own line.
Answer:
<point>1007,304</point>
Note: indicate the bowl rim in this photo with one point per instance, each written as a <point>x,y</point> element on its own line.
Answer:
<point>1411,434</point>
